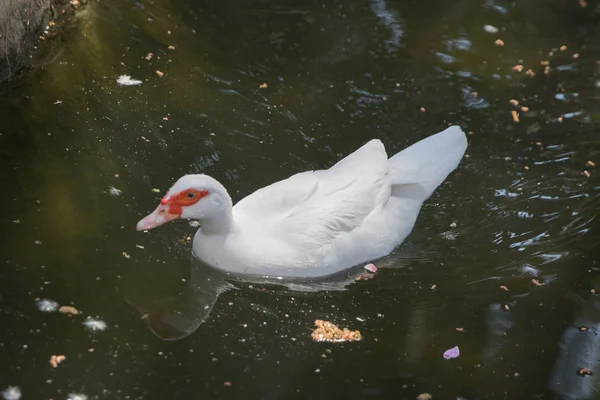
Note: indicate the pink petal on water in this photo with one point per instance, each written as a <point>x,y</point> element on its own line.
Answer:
<point>371,268</point>
<point>452,353</point>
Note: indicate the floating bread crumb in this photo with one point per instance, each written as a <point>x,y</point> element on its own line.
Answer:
<point>68,310</point>
<point>55,360</point>
<point>328,332</point>
<point>515,116</point>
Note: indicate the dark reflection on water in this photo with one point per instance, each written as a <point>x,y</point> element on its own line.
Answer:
<point>178,316</point>
<point>337,74</point>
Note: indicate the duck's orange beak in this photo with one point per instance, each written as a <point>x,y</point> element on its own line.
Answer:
<point>158,217</point>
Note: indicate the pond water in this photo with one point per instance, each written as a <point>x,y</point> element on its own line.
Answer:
<point>502,260</point>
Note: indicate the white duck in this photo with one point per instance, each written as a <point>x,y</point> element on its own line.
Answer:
<point>314,223</point>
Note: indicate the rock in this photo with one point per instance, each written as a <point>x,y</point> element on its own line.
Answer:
<point>23,25</point>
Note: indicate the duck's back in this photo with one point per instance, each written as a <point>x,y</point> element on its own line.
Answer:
<point>311,208</point>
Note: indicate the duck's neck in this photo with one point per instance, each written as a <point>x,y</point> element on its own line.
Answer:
<point>220,223</point>
<point>216,217</point>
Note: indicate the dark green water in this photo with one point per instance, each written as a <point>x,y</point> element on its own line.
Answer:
<point>338,74</point>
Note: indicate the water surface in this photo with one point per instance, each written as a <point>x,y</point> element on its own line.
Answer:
<point>337,74</point>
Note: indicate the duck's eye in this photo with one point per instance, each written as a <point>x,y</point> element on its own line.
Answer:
<point>191,195</point>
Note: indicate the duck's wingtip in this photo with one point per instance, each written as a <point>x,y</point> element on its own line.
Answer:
<point>455,130</point>
<point>454,136</point>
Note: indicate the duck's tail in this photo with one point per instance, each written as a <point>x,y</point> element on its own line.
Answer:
<point>426,164</point>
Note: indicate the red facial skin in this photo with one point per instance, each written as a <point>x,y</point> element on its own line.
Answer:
<point>182,199</point>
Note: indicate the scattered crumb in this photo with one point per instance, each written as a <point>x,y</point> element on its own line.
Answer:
<point>506,307</point>
<point>171,47</point>
<point>563,48</point>
<point>433,287</point>
<point>126,255</point>
<point>582,3</point>
<point>546,69</point>
<point>560,119</point>
<point>499,42</point>
<point>526,168</point>
<point>453,225</point>
<point>227,383</point>
<point>530,72</point>
<point>159,73</point>
<point>363,277</point>
<point>424,396</point>
<point>583,328</point>
<point>515,116</point>
<point>593,291</point>
<point>11,393</point>
<point>576,55</point>
<point>94,324</point>
<point>149,56</point>
<point>590,164</point>
<point>46,305</point>
<point>422,109</point>
<point>517,68</point>
<point>68,310</point>
<point>586,173</point>
<point>55,360</point>
<point>263,86</point>
<point>544,63</point>
<point>328,332</point>
<point>460,329</point>
<point>524,109</point>
<point>584,372</point>
<point>504,288</point>
<point>536,282</point>
<point>513,102</point>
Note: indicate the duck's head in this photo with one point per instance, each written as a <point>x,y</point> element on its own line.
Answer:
<point>197,197</point>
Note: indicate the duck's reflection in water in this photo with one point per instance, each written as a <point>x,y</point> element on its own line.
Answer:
<point>178,316</point>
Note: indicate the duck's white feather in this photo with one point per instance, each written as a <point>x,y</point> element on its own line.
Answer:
<point>311,209</point>
<point>320,222</point>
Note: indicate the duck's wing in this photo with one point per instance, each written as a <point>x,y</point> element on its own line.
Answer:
<point>429,161</point>
<point>313,207</point>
